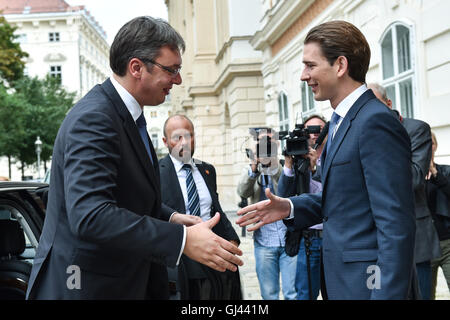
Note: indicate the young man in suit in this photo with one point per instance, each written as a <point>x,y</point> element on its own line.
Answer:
<point>181,194</point>
<point>427,241</point>
<point>106,235</point>
<point>368,221</point>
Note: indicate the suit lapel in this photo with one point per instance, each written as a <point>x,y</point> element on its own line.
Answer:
<point>133,134</point>
<point>206,174</point>
<point>169,173</point>
<point>327,158</point>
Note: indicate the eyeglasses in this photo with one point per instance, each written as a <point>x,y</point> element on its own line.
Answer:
<point>173,71</point>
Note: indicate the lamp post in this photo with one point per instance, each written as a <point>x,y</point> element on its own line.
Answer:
<point>38,144</point>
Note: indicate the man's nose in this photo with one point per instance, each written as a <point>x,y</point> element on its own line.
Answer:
<point>177,79</point>
<point>304,75</point>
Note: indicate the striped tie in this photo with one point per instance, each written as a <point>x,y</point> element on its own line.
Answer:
<point>331,131</point>
<point>193,199</point>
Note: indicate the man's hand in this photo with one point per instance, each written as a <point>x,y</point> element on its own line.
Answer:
<point>312,156</point>
<point>288,161</point>
<point>204,246</point>
<point>186,219</point>
<point>432,171</point>
<point>264,212</point>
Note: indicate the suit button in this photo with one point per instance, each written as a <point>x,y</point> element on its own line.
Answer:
<point>325,219</point>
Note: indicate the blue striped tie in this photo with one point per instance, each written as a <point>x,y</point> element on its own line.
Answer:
<point>331,131</point>
<point>193,199</point>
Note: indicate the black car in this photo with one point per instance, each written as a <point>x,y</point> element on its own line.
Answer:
<point>22,213</point>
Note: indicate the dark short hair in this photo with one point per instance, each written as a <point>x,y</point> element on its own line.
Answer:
<point>315,116</point>
<point>341,38</point>
<point>182,116</point>
<point>142,38</point>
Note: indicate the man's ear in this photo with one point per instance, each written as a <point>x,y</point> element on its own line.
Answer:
<point>342,65</point>
<point>389,103</point>
<point>135,67</point>
<point>164,139</point>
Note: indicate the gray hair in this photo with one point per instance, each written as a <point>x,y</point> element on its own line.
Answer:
<point>380,89</point>
<point>142,38</point>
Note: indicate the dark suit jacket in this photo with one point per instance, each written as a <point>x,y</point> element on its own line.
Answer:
<point>172,196</point>
<point>104,211</point>
<point>366,206</point>
<point>438,198</point>
<point>427,241</point>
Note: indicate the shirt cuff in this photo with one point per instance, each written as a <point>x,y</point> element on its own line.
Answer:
<point>291,214</point>
<point>288,172</point>
<point>172,215</point>
<point>182,245</point>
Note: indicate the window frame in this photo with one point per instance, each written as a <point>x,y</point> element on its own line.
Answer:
<point>399,78</point>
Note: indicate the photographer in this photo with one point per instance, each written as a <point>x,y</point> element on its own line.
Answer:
<point>271,259</point>
<point>308,242</point>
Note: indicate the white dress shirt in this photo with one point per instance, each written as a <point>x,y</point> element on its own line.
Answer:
<point>202,188</point>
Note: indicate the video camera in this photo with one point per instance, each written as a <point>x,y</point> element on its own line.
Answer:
<point>266,147</point>
<point>297,139</point>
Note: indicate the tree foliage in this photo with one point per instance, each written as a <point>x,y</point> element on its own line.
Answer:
<point>11,55</point>
<point>46,103</point>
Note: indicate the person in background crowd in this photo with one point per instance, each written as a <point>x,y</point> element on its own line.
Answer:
<point>271,259</point>
<point>427,242</point>
<point>438,198</point>
<point>189,186</point>
<point>307,279</point>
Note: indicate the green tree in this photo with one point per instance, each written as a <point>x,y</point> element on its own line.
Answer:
<point>46,104</point>
<point>11,55</point>
<point>12,126</point>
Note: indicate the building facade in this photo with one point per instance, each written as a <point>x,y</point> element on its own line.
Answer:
<point>61,40</point>
<point>409,41</point>
<point>228,87</point>
<point>222,90</point>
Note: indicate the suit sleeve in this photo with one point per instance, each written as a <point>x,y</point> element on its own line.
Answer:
<point>421,154</point>
<point>286,186</point>
<point>391,199</point>
<point>307,211</point>
<point>91,161</point>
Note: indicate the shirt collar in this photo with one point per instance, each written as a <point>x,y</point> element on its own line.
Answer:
<point>130,102</point>
<point>179,165</point>
<point>345,105</point>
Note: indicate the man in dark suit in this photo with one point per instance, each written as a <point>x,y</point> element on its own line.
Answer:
<point>106,235</point>
<point>179,137</point>
<point>427,241</point>
<point>368,221</point>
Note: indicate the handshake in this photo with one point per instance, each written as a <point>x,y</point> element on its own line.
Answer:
<point>204,246</point>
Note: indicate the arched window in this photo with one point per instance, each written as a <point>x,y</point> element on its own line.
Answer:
<point>307,98</point>
<point>397,68</point>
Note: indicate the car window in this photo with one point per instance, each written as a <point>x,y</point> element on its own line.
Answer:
<point>10,212</point>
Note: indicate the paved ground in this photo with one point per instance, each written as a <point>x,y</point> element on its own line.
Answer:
<point>250,281</point>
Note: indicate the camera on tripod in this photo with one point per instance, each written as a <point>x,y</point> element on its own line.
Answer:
<point>297,140</point>
<point>266,146</point>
